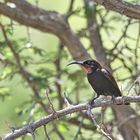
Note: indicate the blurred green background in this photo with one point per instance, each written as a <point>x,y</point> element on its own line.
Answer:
<point>38,52</point>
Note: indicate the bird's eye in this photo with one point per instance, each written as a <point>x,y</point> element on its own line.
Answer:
<point>92,63</point>
<point>87,62</point>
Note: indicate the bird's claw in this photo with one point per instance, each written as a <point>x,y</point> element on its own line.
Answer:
<point>93,100</point>
<point>91,103</point>
<point>113,99</point>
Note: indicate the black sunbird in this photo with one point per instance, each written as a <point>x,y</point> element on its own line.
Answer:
<point>100,79</point>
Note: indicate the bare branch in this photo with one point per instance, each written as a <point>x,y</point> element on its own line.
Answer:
<point>46,133</point>
<point>90,114</point>
<point>50,102</point>
<point>45,21</point>
<point>75,108</point>
<point>79,129</point>
<point>122,7</point>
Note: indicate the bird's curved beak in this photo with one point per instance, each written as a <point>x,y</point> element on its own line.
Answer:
<point>86,69</point>
<point>75,62</point>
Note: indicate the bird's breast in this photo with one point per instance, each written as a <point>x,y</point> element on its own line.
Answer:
<point>96,80</point>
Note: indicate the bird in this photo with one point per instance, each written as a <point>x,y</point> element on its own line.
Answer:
<point>100,79</point>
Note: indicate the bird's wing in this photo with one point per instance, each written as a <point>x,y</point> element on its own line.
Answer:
<point>108,75</point>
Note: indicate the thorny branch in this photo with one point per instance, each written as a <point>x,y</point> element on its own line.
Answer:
<point>71,109</point>
<point>90,114</point>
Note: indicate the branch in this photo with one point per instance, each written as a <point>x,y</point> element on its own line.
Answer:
<point>46,21</point>
<point>122,7</point>
<point>71,109</point>
<point>107,135</point>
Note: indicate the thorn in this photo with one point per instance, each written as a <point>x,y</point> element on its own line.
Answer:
<point>66,101</point>
<point>13,129</point>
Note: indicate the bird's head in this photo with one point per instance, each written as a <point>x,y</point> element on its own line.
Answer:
<point>88,65</point>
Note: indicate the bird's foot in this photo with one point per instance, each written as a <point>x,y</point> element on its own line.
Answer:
<point>91,103</point>
<point>114,100</point>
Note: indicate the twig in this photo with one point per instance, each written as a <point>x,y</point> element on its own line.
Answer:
<point>58,75</point>
<point>70,9</point>
<point>51,105</point>
<point>103,109</point>
<point>33,136</point>
<point>90,114</point>
<point>32,109</point>
<point>66,100</point>
<point>79,129</point>
<point>122,36</point>
<point>46,134</point>
<point>136,50</point>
